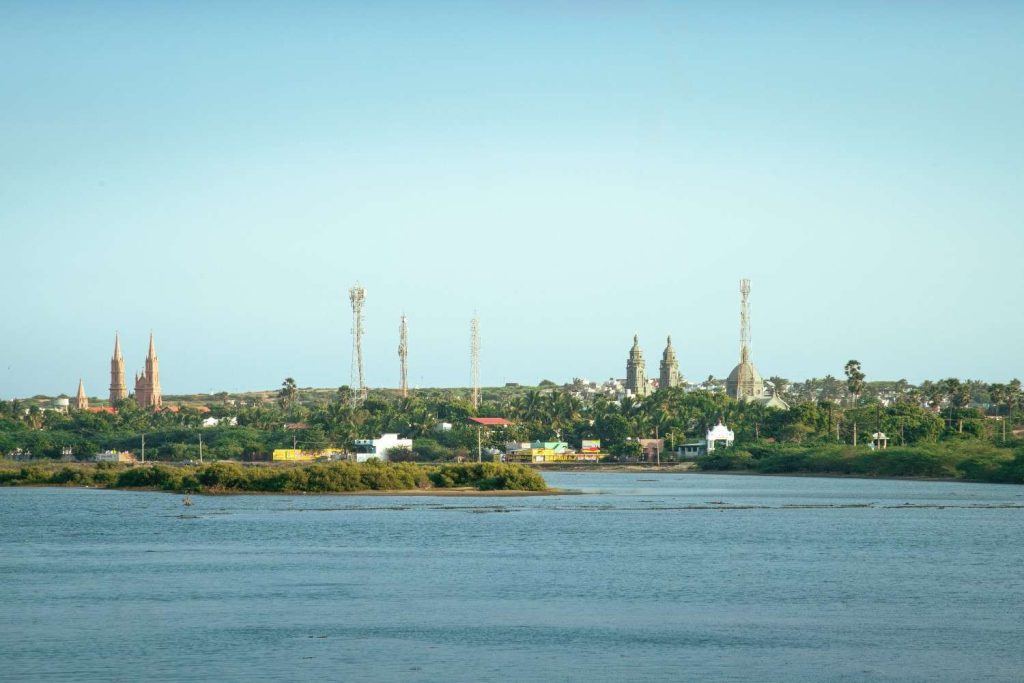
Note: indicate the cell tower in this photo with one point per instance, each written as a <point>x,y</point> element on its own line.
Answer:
<point>744,321</point>
<point>357,295</point>
<point>474,359</point>
<point>403,355</point>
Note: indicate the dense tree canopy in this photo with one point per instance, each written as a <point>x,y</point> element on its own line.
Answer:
<point>314,419</point>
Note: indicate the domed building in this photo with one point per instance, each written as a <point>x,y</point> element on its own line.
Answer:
<point>744,382</point>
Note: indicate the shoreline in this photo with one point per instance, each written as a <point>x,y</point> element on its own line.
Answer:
<point>675,469</point>
<point>451,493</point>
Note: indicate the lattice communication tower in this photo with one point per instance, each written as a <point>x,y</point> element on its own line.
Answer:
<point>403,355</point>
<point>357,296</point>
<point>744,321</point>
<point>474,359</point>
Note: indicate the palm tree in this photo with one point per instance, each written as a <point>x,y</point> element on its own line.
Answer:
<point>288,394</point>
<point>854,379</point>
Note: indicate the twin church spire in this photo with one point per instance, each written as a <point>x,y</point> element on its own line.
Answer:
<point>147,383</point>
<point>636,377</point>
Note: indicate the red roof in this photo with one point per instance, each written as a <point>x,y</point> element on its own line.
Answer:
<point>491,421</point>
<point>103,409</point>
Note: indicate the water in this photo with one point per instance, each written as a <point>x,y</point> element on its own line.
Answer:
<point>651,577</point>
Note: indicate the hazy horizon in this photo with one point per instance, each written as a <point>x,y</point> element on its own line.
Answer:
<point>574,173</point>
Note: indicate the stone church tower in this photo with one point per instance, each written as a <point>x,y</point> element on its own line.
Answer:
<point>81,400</point>
<point>147,385</point>
<point>669,376</point>
<point>118,390</point>
<point>636,379</point>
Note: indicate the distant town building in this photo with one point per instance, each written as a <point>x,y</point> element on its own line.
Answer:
<point>636,378</point>
<point>669,376</point>
<point>879,441</point>
<point>300,455</point>
<point>217,421</point>
<point>118,390</point>
<point>147,385</point>
<point>61,404</point>
<point>114,456</point>
<point>369,449</point>
<point>545,451</point>
<point>652,448</point>
<point>81,400</point>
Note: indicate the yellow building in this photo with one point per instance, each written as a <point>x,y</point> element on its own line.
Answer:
<point>539,455</point>
<point>298,455</point>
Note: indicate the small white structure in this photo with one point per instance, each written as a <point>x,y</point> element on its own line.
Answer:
<point>443,427</point>
<point>377,449</point>
<point>719,435</point>
<point>214,421</point>
<point>879,441</point>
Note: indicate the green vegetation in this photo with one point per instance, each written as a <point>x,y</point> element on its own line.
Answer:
<point>974,461</point>
<point>229,477</point>
<point>948,428</point>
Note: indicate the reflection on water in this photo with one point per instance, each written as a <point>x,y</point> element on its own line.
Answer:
<point>651,577</point>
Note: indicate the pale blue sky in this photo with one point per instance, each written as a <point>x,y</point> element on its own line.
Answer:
<point>575,172</point>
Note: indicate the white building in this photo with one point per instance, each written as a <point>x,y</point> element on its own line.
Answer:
<point>214,421</point>
<point>719,435</point>
<point>377,449</point>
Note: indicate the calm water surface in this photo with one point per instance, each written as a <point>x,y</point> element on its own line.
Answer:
<point>652,577</point>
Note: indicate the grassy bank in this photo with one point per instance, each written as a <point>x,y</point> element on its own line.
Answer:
<point>229,477</point>
<point>969,461</point>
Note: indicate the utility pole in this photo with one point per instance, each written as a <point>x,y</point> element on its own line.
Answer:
<point>479,445</point>
<point>854,433</point>
<point>878,419</point>
<point>143,447</point>
<point>200,448</point>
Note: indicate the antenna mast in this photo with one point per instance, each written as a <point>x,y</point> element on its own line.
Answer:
<point>403,355</point>
<point>474,359</point>
<point>744,320</point>
<point>356,296</point>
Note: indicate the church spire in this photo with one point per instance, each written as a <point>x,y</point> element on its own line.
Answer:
<point>147,384</point>
<point>118,390</point>
<point>81,400</point>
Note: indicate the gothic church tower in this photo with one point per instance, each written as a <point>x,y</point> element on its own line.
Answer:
<point>636,379</point>
<point>118,390</point>
<point>147,385</point>
<point>669,376</point>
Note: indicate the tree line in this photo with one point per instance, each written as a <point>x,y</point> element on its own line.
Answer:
<point>821,413</point>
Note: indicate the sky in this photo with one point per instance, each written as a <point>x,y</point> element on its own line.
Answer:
<point>573,173</point>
